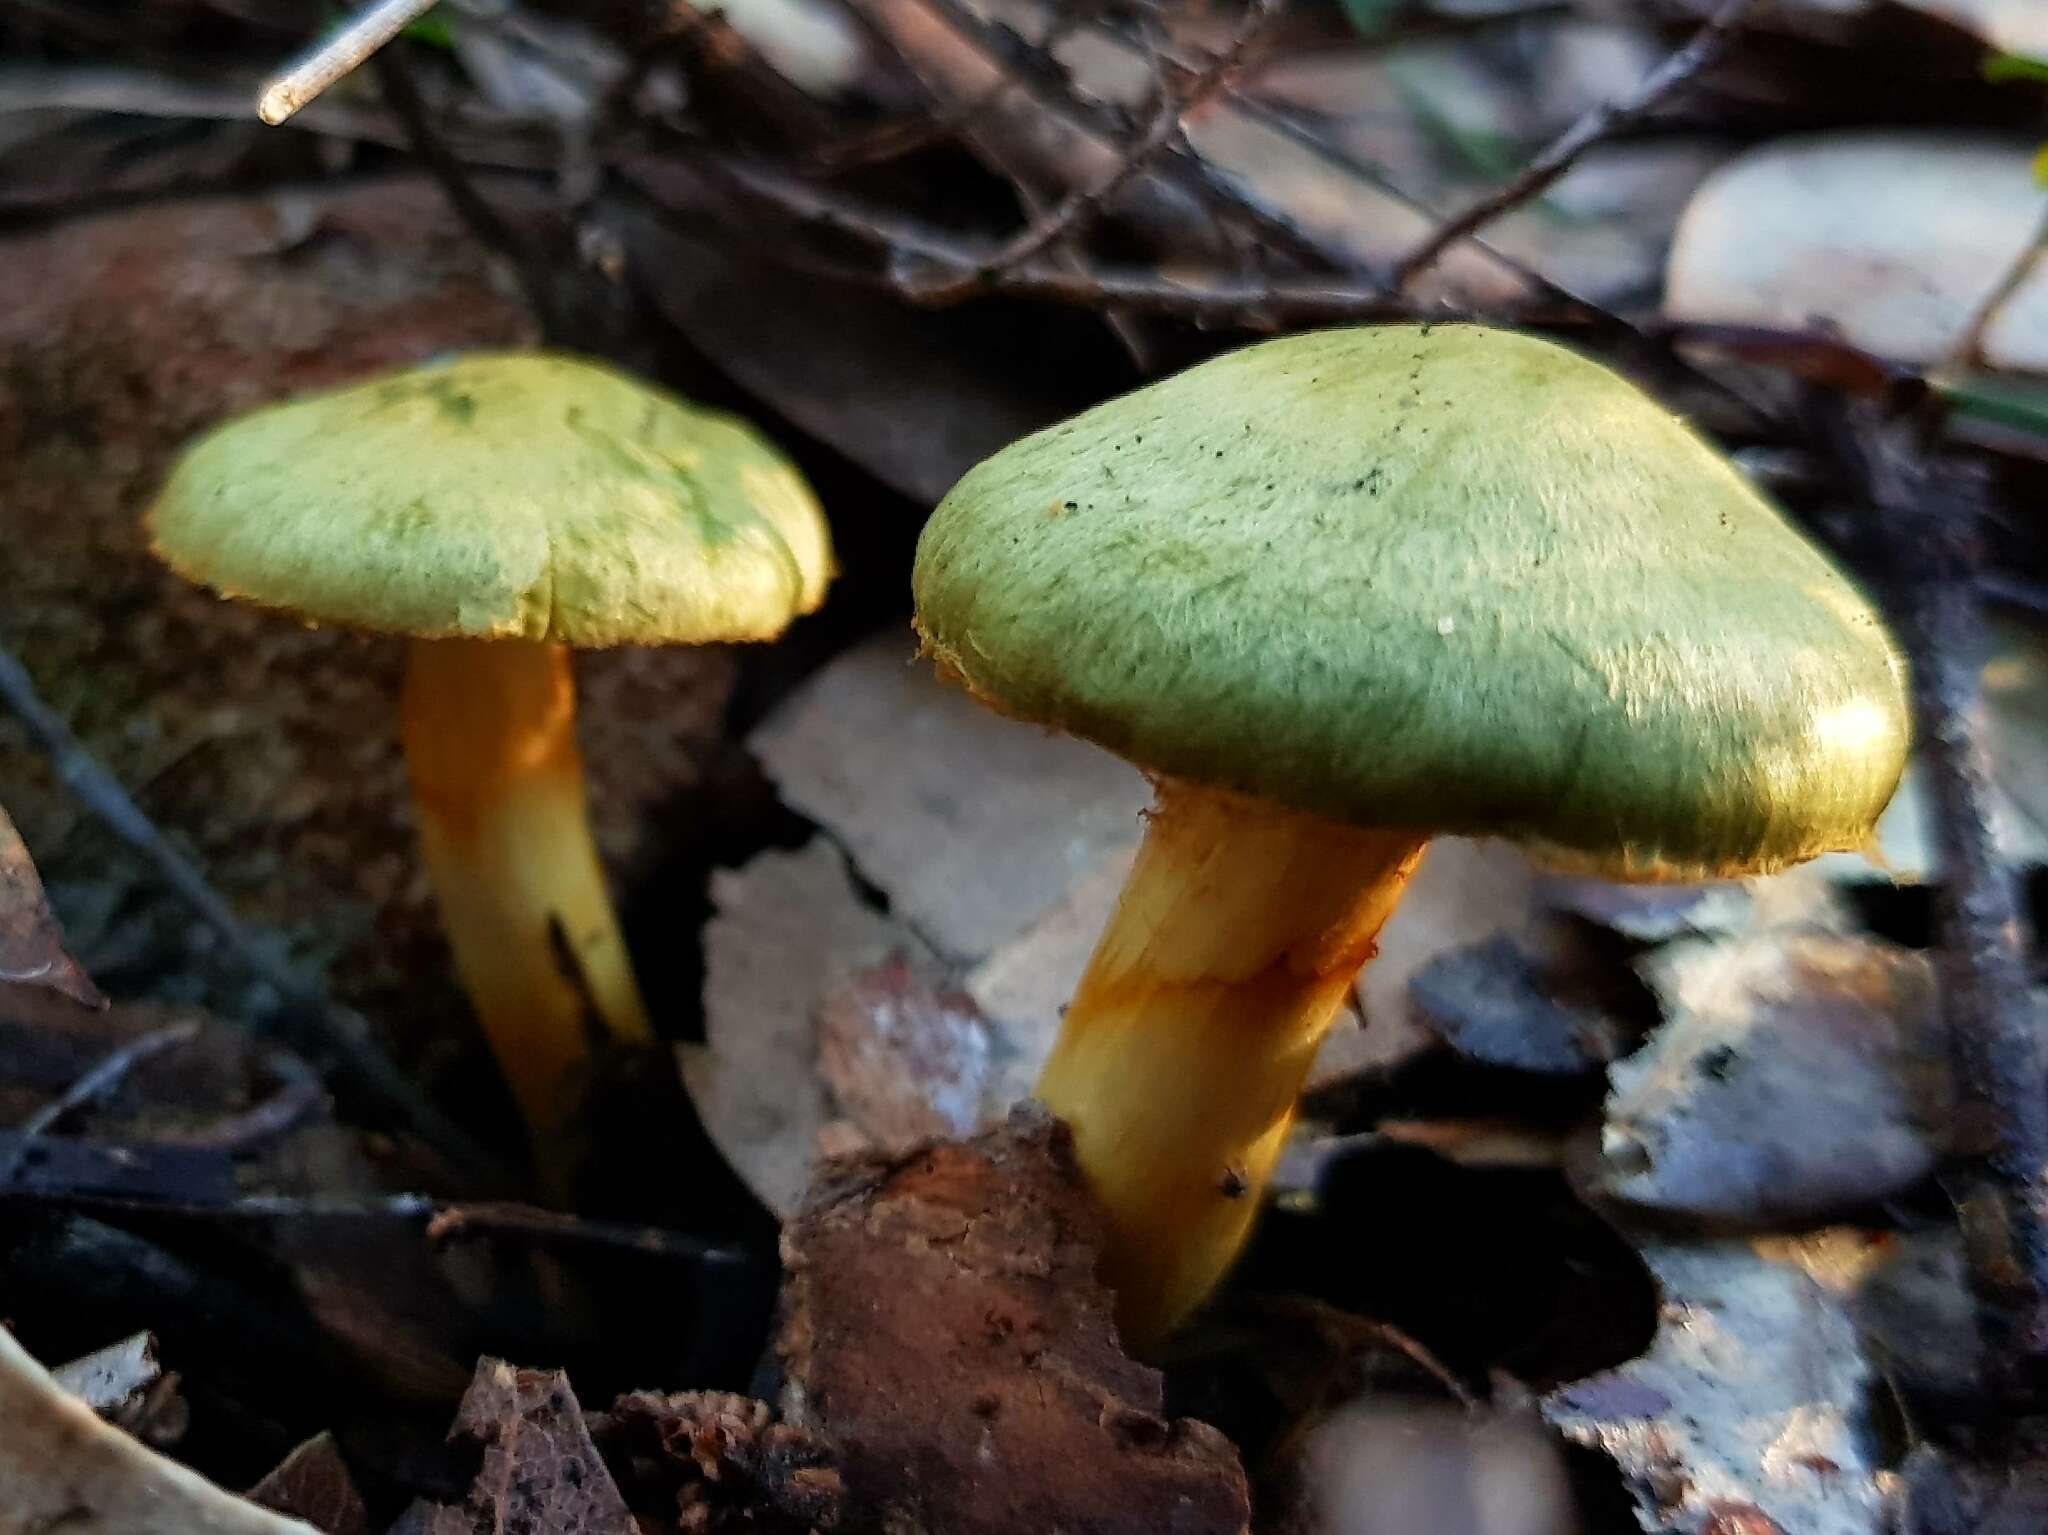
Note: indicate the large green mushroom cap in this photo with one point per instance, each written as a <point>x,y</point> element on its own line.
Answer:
<point>1437,577</point>
<point>514,496</point>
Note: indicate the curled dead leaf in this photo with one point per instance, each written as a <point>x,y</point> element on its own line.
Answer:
<point>31,943</point>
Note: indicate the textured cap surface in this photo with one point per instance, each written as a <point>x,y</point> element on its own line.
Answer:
<point>1445,578</point>
<point>515,496</point>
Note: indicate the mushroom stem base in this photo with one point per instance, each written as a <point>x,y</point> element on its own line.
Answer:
<point>489,728</point>
<point>1232,948</point>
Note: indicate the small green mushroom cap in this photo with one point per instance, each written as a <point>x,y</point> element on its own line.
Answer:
<point>511,496</point>
<point>1443,578</point>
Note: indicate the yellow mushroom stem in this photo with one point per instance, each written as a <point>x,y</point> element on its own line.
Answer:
<point>489,728</point>
<point>1236,937</point>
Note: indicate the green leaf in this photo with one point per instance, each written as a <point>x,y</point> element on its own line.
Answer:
<point>432,30</point>
<point>2017,404</point>
<point>2001,67</point>
<point>1370,17</point>
<point>2041,166</point>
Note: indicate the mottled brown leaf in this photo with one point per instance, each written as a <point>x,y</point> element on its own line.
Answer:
<point>541,1474</point>
<point>312,1483</point>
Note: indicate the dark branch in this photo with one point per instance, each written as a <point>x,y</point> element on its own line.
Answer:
<point>1930,525</point>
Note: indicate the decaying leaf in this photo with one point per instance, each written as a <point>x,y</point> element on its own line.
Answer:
<point>31,944</point>
<point>1795,235</point>
<point>943,1326</point>
<point>541,1474</point>
<point>970,823</point>
<point>1798,1076</point>
<point>1500,1004</point>
<point>313,1483</point>
<point>998,849</point>
<point>1464,893</point>
<point>1754,1410</point>
<point>789,927</point>
<point>971,826</point>
<point>62,1468</point>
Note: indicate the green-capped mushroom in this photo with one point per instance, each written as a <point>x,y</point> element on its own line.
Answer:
<point>497,510</point>
<point>1341,592</point>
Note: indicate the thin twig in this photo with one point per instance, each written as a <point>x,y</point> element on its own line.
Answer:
<point>556,1228</point>
<point>1078,208</point>
<point>440,1223</point>
<point>907,244</point>
<point>1047,82</point>
<point>298,1094</point>
<point>306,1018</point>
<point>1563,153</point>
<point>340,55</point>
<point>1968,351</point>
<point>102,1078</point>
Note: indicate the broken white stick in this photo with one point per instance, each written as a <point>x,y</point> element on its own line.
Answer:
<point>338,56</point>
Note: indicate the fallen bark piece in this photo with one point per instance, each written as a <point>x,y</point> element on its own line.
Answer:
<point>721,1462</point>
<point>32,949</point>
<point>62,1468</point>
<point>313,1483</point>
<point>943,1326</point>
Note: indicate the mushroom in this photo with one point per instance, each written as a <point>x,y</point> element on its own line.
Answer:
<point>498,510</point>
<point>1339,593</point>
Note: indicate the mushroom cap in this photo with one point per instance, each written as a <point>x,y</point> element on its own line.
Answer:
<point>1441,577</point>
<point>507,496</point>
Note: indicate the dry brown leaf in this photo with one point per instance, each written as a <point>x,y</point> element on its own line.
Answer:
<point>313,1483</point>
<point>31,943</point>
